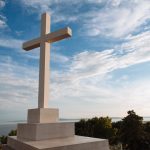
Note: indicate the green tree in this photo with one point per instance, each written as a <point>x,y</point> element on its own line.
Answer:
<point>132,132</point>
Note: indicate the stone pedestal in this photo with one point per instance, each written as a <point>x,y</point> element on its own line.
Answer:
<point>69,143</point>
<point>43,131</point>
<point>43,115</point>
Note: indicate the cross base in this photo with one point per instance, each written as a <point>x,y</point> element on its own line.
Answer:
<point>43,115</point>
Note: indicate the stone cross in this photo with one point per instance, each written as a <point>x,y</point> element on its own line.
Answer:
<point>44,43</point>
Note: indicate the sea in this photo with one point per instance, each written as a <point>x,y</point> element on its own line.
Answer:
<point>6,127</point>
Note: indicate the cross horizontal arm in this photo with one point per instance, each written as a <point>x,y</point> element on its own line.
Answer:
<point>29,45</point>
<point>50,38</point>
<point>58,35</point>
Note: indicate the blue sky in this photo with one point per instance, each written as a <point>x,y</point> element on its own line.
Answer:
<point>102,70</point>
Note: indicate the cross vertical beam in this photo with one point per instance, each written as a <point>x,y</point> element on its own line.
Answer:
<point>44,41</point>
<point>44,63</point>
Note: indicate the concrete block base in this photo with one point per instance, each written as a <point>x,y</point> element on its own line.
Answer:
<point>43,131</point>
<point>43,115</point>
<point>70,143</point>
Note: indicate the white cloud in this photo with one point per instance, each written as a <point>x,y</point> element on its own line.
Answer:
<point>57,8</point>
<point>2,4</point>
<point>91,63</point>
<point>37,5</point>
<point>117,18</point>
<point>3,19</point>
<point>3,23</point>
<point>45,5</point>
<point>17,84</point>
<point>11,43</point>
<point>53,7</point>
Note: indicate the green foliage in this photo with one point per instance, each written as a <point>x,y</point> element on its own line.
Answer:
<point>3,139</point>
<point>95,127</point>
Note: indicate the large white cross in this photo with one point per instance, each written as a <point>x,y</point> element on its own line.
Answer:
<point>44,43</point>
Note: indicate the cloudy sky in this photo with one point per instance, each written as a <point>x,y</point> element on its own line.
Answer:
<point>102,70</point>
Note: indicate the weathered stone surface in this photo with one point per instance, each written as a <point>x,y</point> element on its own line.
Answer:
<point>43,131</point>
<point>43,115</point>
<point>70,143</point>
